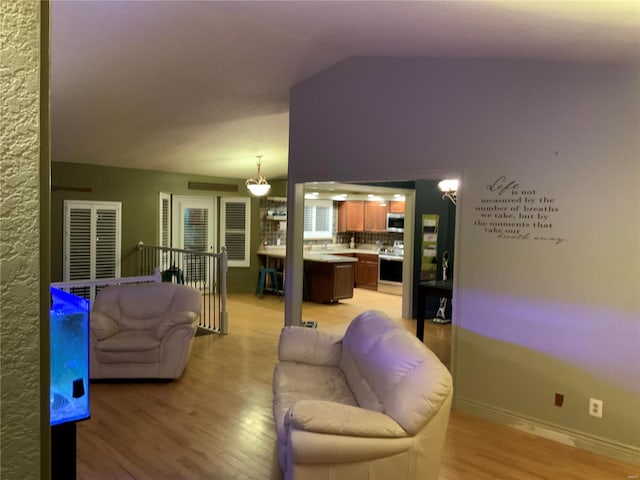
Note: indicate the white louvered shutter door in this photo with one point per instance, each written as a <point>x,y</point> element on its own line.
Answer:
<point>165,228</point>
<point>107,264</point>
<point>91,242</point>
<point>235,228</point>
<point>77,261</point>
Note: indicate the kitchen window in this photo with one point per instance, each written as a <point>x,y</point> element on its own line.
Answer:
<point>318,219</point>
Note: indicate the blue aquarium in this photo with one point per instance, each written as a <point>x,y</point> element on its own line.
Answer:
<point>69,391</point>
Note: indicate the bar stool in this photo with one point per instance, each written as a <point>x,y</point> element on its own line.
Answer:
<point>262,281</point>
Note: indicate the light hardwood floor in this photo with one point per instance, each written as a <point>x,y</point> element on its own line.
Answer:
<point>215,422</point>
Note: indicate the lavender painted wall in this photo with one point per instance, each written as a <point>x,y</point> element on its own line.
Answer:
<point>533,316</point>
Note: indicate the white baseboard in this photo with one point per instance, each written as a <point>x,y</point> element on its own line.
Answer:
<point>566,436</point>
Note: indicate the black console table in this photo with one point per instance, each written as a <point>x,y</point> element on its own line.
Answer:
<point>430,288</point>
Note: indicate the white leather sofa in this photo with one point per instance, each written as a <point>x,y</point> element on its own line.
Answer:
<point>142,330</point>
<point>372,405</point>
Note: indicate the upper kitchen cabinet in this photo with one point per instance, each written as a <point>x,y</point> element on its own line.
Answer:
<point>396,206</point>
<point>362,216</point>
<point>375,217</point>
<point>351,216</point>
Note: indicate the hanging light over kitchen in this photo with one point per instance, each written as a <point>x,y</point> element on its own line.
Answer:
<point>258,186</point>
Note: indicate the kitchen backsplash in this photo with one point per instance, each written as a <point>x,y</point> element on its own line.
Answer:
<point>368,238</point>
<point>273,230</point>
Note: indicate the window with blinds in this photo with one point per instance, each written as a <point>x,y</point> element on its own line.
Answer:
<point>91,240</point>
<point>195,230</point>
<point>235,229</point>
<point>318,219</point>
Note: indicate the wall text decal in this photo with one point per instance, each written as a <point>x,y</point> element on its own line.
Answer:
<point>512,212</point>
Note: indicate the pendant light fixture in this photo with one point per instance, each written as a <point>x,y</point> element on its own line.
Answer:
<point>258,186</point>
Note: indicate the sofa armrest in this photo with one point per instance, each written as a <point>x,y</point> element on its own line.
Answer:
<point>179,318</point>
<point>310,346</point>
<point>102,326</point>
<point>339,419</point>
<point>322,432</point>
<point>313,448</point>
<point>173,319</point>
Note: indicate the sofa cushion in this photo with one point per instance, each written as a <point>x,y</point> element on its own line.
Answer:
<point>102,326</point>
<point>293,382</point>
<point>131,340</point>
<point>296,381</point>
<point>309,346</point>
<point>147,300</point>
<point>123,358</point>
<point>360,339</point>
<point>336,418</point>
<point>391,371</point>
<point>130,346</point>
<point>176,318</point>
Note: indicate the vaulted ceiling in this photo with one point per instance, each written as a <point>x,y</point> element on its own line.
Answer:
<point>202,87</point>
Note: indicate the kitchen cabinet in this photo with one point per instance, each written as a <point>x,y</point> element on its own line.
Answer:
<point>364,216</point>
<point>366,274</point>
<point>351,216</point>
<point>329,277</point>
<point>375,217</point>
<point>396,206</point>
<point>328,282</point>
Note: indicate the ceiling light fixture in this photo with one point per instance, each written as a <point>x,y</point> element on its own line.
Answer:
<point>258,186</point>
<point>449,188</point>
<point>311,196</point>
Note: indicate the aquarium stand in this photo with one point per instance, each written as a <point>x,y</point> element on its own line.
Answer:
<point>63,451</point>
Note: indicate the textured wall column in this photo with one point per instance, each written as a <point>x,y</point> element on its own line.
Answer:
<point>20,411</point>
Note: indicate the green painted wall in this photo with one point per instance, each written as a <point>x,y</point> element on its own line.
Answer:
<point>138,191</point>
<point>429,201</point>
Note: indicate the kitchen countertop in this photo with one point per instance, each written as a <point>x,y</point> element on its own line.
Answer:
<point>331,255</point>
<point>327,258</point>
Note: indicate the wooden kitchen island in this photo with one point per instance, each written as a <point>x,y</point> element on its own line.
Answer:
<point>329,278</point>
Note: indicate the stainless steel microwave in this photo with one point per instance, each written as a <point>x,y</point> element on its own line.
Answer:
<point>395,222</point>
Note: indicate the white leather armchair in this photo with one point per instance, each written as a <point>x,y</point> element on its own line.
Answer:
<point>373,404</point>
<point>142,330</point>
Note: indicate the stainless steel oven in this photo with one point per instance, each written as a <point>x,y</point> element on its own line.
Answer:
<point>390,270</point>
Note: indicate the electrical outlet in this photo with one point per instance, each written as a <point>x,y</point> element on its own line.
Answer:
<point>559,400</point>
<point>595,407</point>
